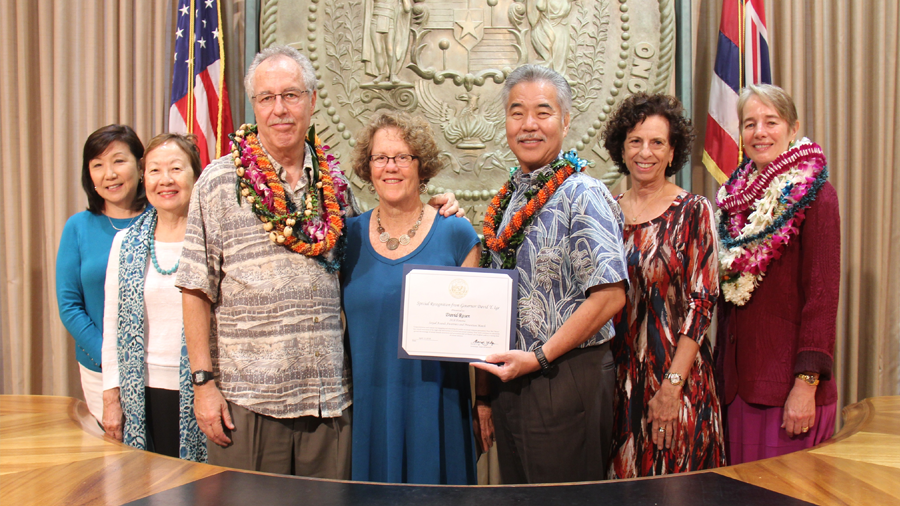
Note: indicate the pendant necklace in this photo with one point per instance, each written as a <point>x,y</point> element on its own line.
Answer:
<point>395,242</point>
<point>634,218</point>
<point>123,228</point>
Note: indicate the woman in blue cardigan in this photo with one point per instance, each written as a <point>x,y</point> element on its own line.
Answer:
<point>111,179</point>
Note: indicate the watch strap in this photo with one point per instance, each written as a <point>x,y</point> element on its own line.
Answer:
<point>542,359</point>
<point>201,377</point>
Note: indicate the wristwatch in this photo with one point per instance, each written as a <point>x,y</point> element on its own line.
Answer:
<point>546,368</point>
<point>674,378</point>
<point>810,379</point>
<point>201,377</point>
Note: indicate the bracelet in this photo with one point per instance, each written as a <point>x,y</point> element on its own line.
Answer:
<point>810,379</point>
<point>483,398</point>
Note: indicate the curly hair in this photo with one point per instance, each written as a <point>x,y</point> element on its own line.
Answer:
<point>415,131</point>
<point>633,111</point>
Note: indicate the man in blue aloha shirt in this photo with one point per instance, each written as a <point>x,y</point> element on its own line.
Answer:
<point>552,399</point>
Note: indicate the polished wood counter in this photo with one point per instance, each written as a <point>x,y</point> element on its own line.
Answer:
<point>51,452</point>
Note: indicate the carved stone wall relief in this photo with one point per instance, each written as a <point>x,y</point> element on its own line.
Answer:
<point>446,60</point>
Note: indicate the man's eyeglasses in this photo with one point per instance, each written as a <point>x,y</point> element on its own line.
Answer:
<point>290,97</point>
<point>402,160</point>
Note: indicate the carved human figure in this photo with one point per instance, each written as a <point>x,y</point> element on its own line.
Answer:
<point>386,38</point>
<point>549,31</point>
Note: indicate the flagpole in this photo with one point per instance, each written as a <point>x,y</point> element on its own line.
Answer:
<point>190,76</point>
<point>221,80</point>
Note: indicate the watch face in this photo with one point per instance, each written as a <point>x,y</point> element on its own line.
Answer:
<point>201,377</point>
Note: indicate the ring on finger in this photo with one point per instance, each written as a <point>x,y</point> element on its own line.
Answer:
<point>804,429</point>
<point>662,429</point>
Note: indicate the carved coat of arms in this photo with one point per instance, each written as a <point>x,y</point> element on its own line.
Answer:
<point>446,60</point>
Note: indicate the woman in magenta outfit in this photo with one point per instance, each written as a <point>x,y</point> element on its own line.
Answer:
<point>780,255</point>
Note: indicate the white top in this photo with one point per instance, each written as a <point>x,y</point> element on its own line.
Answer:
<point>162,321</point>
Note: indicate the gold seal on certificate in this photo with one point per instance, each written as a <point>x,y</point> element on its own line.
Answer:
<point>457,313</point>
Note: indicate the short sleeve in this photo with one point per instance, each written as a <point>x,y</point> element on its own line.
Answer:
<point>462,236</point>
<point>595,238</point>
<point>200,267</point>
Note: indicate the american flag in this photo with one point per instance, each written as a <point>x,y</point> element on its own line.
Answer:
<point>202,108</point>
<point>742,58</point>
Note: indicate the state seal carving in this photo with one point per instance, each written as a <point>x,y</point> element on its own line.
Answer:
<point>446,60</point>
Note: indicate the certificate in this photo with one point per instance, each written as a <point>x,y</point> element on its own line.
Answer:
<point>457,313</point>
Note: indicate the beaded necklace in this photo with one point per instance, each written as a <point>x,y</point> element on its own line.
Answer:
<point>164,272</point>
<point>544,186</point>
<point>305,231</point>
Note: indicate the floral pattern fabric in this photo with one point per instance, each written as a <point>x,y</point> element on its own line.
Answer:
<point>673,273</point>
<point>573,244</point>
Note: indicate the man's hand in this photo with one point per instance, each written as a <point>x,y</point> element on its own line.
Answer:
<point>212,413</point>
<point>447,205</point>
<point>113,417</point>
<point>509,365</point>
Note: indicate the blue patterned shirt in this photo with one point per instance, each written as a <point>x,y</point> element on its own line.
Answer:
<point>573,244</point>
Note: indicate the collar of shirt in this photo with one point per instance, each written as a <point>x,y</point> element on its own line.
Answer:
<point>522,180</point>
<point>303,182</point>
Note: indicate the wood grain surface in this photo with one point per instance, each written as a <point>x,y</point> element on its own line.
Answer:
<point>52,452</point>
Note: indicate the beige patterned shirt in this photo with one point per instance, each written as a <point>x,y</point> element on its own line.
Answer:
<point>276,337</point>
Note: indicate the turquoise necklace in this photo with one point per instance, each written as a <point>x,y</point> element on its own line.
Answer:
<point>156,266</point>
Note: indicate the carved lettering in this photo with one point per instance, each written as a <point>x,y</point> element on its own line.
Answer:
<point>640,67</point>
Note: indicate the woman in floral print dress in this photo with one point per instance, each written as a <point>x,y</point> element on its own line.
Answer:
<point>667,415</point>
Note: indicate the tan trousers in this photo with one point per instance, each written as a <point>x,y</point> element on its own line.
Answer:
<point>304,446</point>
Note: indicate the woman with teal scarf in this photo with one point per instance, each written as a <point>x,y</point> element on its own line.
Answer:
<point>147,392</point>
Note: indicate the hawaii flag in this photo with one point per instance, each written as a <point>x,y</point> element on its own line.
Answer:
<point>742,58</point>
<point>200,108</point>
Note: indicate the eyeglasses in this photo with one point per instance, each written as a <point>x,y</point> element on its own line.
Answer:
<point>290,97</point>
<point>402,160</point>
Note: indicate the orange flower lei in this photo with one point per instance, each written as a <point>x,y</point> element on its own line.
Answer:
<point>513,235</point>
<point>260,186</point>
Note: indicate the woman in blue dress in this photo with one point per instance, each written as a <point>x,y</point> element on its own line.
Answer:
<point>411,418</point>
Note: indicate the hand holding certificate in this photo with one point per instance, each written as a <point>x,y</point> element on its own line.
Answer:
<point>457,313</point>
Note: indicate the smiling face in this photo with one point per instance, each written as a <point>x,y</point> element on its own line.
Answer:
<point>647,150</point>
<point>535,125</point>
<point>394,184</point>
<point>115,175</point>
<point>169,179</point>
<point>282,127</point>
<point>765,133</point>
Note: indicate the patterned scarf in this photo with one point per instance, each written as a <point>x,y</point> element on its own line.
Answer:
<point>130,349</point>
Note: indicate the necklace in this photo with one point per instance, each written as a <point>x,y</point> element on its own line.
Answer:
<point>302,230</point>
<point>753,235</point>
<point>156,266</point>
<point>403,240</point>
<point>635,217</point>
<point>545,185</point>
<point>123,228</point>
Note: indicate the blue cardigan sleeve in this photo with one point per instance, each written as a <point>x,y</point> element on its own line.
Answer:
<point>71,297</point>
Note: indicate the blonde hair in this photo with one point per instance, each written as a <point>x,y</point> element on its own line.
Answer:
<point>770,95</point>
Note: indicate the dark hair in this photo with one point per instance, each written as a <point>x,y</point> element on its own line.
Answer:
<point>633,111</point>
<point>414,131</point>
<point>187,143</point>
<point>94,146</point>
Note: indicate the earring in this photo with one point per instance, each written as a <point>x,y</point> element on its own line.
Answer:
<point>423,188</point>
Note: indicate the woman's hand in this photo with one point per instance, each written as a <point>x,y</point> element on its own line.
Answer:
<point>483,426</point>
<point>799,408</point>
<point>662,415</point>
<point>113,417</point>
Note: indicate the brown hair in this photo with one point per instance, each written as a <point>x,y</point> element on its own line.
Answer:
<point>187,143</point>
<point>633,111</point>
<point>414,131</point>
